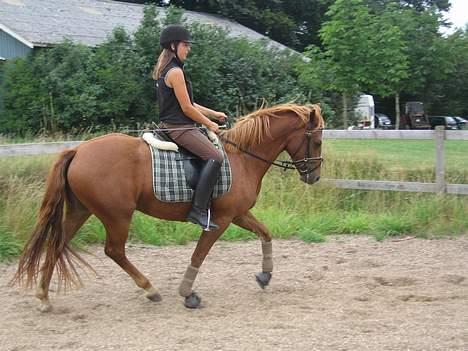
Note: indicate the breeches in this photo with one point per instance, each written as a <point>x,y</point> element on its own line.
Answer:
<point>194,141</point>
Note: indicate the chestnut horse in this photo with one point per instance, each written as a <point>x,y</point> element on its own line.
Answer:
<point>111,177</point>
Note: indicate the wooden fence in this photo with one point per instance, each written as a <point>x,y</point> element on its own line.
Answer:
<point>439,136</point>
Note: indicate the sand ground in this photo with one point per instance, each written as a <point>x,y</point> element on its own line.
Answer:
<point>350,293</point>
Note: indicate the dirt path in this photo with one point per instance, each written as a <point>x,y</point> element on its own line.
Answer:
<point>351,293</point>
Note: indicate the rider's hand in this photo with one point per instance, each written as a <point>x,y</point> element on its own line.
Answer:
<point>220,116</point>
<point>214,127</point>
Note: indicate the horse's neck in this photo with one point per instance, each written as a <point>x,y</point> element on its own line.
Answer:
<point>265,154</point>
<point>268,150</point>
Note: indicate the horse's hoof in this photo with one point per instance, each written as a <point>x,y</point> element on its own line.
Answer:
<point>192,301</point>
<point>155,297</point>
<point>263,279</point>
<point>45,307</point>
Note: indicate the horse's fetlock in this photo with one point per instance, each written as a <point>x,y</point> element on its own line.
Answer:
<point>146,285</point>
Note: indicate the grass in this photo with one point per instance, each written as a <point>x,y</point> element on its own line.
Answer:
<point>289,208</point>
<point>10,246</point>
<point>408,160</point>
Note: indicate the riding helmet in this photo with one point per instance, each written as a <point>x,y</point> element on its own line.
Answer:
<point>174,33</point>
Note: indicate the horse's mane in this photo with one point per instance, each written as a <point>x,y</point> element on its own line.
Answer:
<point>252,128</point>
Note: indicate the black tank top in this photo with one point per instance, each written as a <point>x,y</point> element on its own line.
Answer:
<point>169,107</point>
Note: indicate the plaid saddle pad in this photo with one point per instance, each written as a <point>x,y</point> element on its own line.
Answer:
<point>169,182</point>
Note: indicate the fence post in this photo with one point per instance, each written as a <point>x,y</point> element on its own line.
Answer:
<point>440,159</point>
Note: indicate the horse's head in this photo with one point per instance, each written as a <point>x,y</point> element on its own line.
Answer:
<point>304,146</point>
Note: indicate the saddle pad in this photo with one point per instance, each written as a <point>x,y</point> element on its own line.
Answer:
<point>169,183</point>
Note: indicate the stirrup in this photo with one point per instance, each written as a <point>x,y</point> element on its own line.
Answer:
<point>208,223</point>
<point>195,219</point>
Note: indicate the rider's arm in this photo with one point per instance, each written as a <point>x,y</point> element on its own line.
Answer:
<point>220,116</point>
<point>175,79</point>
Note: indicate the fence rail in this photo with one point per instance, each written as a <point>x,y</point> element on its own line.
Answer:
<point>36,148</point>
<point>439,136</point>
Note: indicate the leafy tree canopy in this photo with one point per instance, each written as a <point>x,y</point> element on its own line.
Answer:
<point>293,23</point>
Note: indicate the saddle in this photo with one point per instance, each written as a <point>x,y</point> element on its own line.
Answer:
<point>176,171</point>
<point>192,163</point>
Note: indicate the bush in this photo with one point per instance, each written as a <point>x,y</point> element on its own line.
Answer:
<point>71,88</point>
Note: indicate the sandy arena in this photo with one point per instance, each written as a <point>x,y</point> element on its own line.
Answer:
<point>350,293</point>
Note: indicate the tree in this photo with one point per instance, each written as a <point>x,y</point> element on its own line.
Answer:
<point>449,94</point>
<point>363,52</point>
<point>417,5</point>
<point>22,97</point>
<point>292,23</point>
<point>346,38</point>
<point>388,57</point>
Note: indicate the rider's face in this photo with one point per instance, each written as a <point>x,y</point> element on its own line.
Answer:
<point>183,50</point>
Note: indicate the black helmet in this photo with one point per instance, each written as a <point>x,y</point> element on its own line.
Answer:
<point>174,33</point>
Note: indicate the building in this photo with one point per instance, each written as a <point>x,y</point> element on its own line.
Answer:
<point>29,24</point>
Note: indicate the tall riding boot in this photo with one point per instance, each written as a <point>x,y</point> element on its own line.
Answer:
<point>200,212</point>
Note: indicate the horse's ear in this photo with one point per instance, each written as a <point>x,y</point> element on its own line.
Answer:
<point>315,115</point>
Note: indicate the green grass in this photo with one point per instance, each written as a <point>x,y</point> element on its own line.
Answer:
<point>10,246</point>
<point>394,159</point>
<point>289,208</point>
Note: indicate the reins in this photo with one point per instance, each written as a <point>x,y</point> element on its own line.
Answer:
<point>285,165</point>
<point>281,164</point>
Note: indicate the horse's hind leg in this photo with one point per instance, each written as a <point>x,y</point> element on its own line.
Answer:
<point>249,222</point>
<point>117,233</point>
<point>75,216</point>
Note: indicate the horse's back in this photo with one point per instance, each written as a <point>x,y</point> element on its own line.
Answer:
<point>110,152</point>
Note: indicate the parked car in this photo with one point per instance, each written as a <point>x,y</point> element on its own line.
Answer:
<point>462,123</point>
<point>382,121</point>
<point>446,121</point>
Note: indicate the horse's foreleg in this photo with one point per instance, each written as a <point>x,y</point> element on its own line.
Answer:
<point>206,241</point>
<point>249,222</point>
<point>117,233</point>
<point>75,216</point>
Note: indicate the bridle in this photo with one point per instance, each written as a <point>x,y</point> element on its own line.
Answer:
<point>301,165</point>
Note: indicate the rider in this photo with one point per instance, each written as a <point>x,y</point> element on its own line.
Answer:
<point>178,111</point>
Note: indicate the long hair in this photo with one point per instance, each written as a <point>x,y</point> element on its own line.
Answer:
<point>163,60</point>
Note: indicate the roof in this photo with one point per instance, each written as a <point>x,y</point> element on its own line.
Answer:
<point>49,22</point>
<point>16,36</point>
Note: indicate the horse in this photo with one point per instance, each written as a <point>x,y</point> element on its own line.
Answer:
<point>110,177</point>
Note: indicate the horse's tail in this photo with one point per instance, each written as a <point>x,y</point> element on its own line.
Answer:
<point>48,236</point>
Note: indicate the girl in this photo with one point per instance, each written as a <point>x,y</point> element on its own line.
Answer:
<point>179,113</point>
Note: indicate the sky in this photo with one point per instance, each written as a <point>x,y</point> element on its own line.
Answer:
<point>458,13</point>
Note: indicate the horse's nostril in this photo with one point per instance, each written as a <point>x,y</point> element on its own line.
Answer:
<point>317,178</point>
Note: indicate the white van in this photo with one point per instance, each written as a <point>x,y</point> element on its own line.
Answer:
<point>365,112</point>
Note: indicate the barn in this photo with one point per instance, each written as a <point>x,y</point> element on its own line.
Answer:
<point>26,25</point>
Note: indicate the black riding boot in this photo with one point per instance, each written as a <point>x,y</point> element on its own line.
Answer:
<point>200,212</point>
